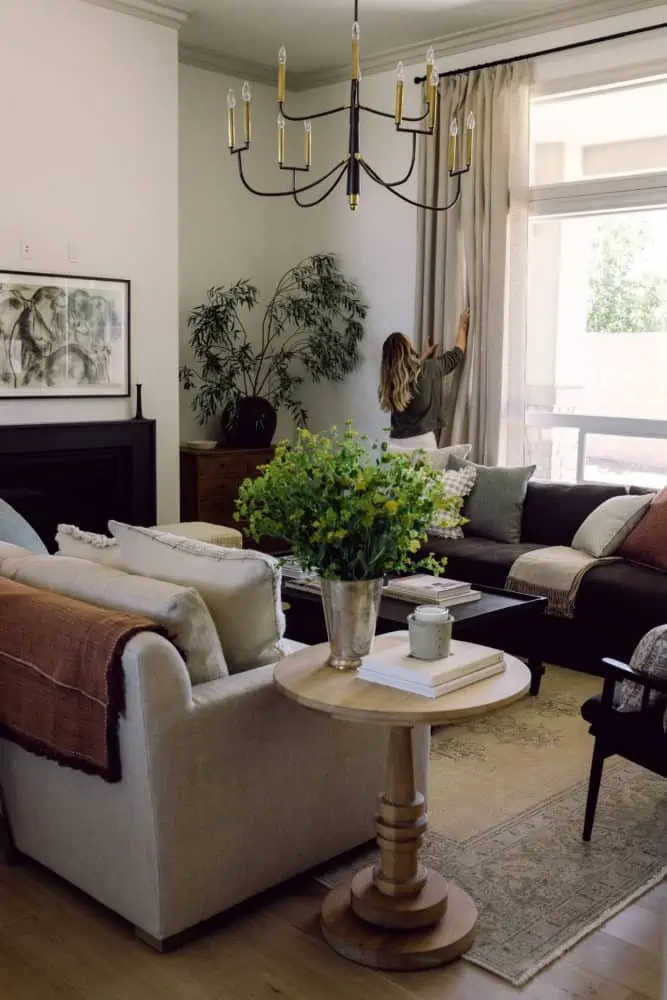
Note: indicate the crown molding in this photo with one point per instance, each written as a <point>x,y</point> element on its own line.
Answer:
<point>218,62</point>
<point>168,14</point>
<point>571,14</point>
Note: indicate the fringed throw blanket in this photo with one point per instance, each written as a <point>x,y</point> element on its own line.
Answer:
<point>61,679</point>
<point>555,573</point>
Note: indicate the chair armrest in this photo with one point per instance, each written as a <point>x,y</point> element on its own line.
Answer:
<point>617,671</point>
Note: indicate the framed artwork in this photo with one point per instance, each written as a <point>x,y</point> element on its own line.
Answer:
<point>63,336</point>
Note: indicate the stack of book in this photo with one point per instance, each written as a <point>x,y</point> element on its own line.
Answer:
<point>427,589</point>
<point>466,664</point>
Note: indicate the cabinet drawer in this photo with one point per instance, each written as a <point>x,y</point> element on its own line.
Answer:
<point>231,466</point>
<point>219,489</point>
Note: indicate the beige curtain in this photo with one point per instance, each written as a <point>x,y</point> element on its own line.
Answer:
<point>464,254</point>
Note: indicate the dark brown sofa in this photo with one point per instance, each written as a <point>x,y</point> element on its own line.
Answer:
<point>617,605</point>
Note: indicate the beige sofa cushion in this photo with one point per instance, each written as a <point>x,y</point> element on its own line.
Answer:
<point>180,610</point>
<point>241,588</point>
<point>9,551</point>
<point>79,544</point>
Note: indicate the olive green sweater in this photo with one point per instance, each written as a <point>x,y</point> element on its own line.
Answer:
<point>422,414</point>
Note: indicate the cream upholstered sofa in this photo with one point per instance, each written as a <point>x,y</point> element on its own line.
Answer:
<point>227,788</point>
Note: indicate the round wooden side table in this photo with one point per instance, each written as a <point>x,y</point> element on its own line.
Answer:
<point>397,915</point>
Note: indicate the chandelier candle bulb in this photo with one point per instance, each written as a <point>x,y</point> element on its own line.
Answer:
<point>282,73</point>
<point>355,51</point>
<point>434,83</point>
<point>453,135</point>
<point>231,118</point>
<point>281,140</point>
<point>400,89</point>
<point>308,132</point>
<point>470,135</point>
<point>247,113</point>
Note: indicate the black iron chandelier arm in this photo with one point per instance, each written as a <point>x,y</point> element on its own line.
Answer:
<point>388,114</point>
<point>310,118</point>
<point>293,190</point>
<point>413,163</point>
<point>410,201</point>
<point>329,190</point>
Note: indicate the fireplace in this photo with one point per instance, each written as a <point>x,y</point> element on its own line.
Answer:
<point>81,474</point>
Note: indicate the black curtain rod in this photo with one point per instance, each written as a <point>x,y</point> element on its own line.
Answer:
<point>632,33</point>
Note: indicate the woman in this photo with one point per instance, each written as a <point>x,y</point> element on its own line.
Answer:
<point>408,386</point>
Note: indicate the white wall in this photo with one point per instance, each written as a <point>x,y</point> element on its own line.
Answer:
<point>379,244</point>
<point>90,156</point>
<point>225,232</point>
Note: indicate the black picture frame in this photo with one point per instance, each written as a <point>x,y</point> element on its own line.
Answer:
<point>64,336</point>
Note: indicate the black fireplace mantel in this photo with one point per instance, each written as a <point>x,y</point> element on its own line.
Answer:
<point>79,473</point>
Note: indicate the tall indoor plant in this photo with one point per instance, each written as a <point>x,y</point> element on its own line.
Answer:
<point>352,512</point>
<point>312,325</point>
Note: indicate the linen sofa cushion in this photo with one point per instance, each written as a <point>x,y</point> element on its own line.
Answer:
<point>495,506</point>
<point>180,610</point>
<point>15,529</point>
<point>647,543</point>
<point>554,512</point>
<point>79,544</point>
<point>9,551</point>
<point>608,526</point>
<point>240,587</point>
<point>478,560</point>
<point>438,457</point>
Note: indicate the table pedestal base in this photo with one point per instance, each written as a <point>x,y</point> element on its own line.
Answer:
<point>398,950</point>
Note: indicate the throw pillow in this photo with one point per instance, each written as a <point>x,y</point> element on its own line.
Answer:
<point>649,658</point>
<point>72,541</point>
<point>457,483</point>
<point>438,457</point>
<point>647,543</point>
<point>15,529</point>
<point>180,610</point>
<point>11,552</point>
<point>494,508</point>
<point>608,526</point>
<point>241,588</point>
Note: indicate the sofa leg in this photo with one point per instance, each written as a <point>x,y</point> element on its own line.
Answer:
<point>537,672</point>
<point>593,789</point>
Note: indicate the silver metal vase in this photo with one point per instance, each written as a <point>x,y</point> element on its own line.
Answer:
<point>351,611</point>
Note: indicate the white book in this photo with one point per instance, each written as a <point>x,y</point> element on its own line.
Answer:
<point>465,658</point>
<point>433,692</point>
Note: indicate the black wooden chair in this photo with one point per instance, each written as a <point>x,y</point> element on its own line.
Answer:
<point>638,735</point>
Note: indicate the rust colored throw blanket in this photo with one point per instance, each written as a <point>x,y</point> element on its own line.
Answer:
<point>61,678</point>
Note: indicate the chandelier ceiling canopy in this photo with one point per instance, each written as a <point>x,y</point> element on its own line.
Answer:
<point>354,163</point>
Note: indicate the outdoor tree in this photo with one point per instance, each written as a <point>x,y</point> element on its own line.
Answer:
<point>627,294</point>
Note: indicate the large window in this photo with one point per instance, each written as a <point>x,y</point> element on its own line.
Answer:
<point>596,359</point>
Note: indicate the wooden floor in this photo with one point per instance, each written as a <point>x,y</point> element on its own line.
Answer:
<point>55,944</point>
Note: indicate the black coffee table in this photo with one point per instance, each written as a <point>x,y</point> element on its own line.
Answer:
<point>500,619</point>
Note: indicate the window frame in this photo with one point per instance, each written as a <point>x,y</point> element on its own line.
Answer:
<point>601,196</point>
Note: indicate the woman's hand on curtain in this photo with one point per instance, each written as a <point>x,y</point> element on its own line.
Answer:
<point>429,352</point>
<point>462,333</point>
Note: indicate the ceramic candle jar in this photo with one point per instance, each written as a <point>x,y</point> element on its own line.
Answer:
<point>430,630</point>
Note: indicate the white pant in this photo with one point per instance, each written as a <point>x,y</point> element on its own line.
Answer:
<point>426,441</point>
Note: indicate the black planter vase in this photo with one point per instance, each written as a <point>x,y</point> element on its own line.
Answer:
<point>251,423</point>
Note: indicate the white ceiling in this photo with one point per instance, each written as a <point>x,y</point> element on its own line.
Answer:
<point>243,36</point>
<point>317,32</point>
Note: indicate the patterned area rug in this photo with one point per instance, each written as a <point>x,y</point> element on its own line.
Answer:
<point>506,808</point>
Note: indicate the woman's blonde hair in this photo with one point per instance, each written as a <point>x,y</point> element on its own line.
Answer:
<point>398,374</point>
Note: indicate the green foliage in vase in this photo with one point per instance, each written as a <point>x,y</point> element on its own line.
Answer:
<point>313,324</point>
<point>348,509</point>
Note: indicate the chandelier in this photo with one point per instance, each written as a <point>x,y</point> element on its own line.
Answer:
<point>354,163</point>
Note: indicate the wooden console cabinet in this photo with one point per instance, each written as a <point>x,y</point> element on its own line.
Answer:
<point>210,483</point>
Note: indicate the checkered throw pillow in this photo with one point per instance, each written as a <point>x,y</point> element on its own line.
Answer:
<point>650,657</point>
<point>458,483</point>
